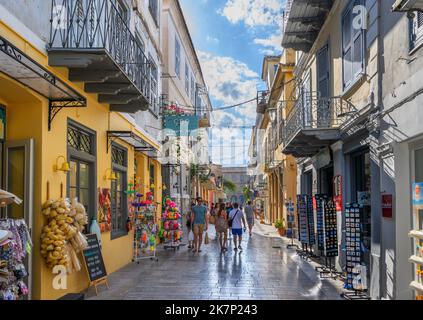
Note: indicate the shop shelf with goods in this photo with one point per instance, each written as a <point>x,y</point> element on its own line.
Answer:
<point>356,281</point>
<point>417,235</point>
<point>327,235</point>
<point>142,219</point>
<point>171,225</point>
<point>291,231</point>
<point>15,247</point>
<point>306,234</point>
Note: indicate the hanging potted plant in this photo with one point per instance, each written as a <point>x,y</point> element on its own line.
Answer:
<point>280,225</point>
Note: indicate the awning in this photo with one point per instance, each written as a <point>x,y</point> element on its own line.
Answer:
<point>18,66</point>
<point>302,23</point>
<point>407,5</point>
<point>130,137</point>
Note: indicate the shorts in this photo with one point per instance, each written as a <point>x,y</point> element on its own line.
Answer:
<point>250,223</point>
<point>198,228</point>
<point>237,232</point>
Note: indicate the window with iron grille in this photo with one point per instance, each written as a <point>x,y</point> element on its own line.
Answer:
<point>119,156</point>
<point>80,140</point>
<point>81,154</point>
<point>177,57</point>
<point>119,201</point>
<point>154,10</point>
<point>416,30</point>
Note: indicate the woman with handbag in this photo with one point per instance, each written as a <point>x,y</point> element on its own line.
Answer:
<point>222,227</point>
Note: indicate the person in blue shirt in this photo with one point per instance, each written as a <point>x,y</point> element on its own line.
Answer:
<point>200,222</point>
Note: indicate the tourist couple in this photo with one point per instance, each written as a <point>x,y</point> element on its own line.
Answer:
<point>233,221</point>
<point>198,223</point>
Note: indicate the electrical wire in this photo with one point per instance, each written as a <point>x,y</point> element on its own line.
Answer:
<point>192,108</point>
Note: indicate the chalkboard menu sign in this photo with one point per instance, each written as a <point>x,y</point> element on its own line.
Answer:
<point>94,259</point>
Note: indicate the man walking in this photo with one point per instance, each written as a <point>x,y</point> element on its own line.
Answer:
<point>199,220</point>
<point>249,213</point>
<point>237,218</point>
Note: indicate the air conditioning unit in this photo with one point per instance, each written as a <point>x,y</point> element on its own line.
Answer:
<point>407,5</point>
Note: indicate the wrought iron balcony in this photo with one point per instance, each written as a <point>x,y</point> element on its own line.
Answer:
<point>92,39</point>
<point>303,21</point>
<point>262,101</point>
<point>315,123</point>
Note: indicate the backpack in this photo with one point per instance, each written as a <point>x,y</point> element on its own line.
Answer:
<point>230,221</point>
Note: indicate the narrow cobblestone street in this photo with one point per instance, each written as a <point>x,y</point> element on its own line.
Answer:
<point>266,269</point>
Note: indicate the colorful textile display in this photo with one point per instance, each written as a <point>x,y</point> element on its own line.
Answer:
<point>14,247</point>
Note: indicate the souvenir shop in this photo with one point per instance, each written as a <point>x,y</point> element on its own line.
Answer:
<point>334,214</point>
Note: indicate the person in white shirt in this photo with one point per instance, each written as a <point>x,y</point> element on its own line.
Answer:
<point>236,216</point>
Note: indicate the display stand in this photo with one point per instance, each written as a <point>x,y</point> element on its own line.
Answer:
<point>328,236</point>
<point>291,225</point>
<point>145,231</point>
<point>171,232</point>
<point>306,226</point>
<point>356,283</point>
<point>417,235</point>
<point>144,224</point>
<point>14,234</point>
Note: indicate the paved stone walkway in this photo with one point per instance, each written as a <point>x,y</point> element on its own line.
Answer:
<point>266,269</point>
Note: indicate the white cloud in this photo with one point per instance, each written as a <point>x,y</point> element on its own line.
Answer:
<point>253,12</point>
<point>230,82</point>
<point>272,44</point>
<point>212,40</point>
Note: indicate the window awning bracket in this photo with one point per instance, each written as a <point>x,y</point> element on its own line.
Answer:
<point>55,106</point>
<point>139,144</point>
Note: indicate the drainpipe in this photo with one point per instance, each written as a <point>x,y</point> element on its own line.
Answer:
<point>377,238</point>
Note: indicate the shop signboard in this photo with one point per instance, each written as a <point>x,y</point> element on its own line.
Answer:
<point>387,204</point>
<point>418,194</point>
<point>180,125</point>
<point>94,259</point>
<point>337,187</point>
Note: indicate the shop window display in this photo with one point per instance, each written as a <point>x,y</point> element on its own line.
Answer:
<point>417,233</point>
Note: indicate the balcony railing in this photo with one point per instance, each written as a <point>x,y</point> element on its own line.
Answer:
<point>93,26</point>
<point>313,113</point>
<point>262,101</point>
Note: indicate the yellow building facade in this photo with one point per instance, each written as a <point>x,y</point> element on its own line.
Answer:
<point>281,170</point>
<point>29,144</point>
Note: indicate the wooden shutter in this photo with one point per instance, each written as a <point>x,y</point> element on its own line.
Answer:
<point>323,72</point>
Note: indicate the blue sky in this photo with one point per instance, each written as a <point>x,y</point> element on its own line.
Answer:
<point>231,38</point>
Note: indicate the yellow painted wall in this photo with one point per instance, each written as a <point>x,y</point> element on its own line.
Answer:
<point>27,115</point>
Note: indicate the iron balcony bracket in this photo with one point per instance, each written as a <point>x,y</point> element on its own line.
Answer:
<point>55,106</point>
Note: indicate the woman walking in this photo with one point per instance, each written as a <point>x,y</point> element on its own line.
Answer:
<point>190,226</point>
<point>222,227</point>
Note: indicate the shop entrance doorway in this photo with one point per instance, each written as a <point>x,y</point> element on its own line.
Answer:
<point>307,183</point>
<point>19,179</point>
<point>361,193</point>
<point>326,181</point>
